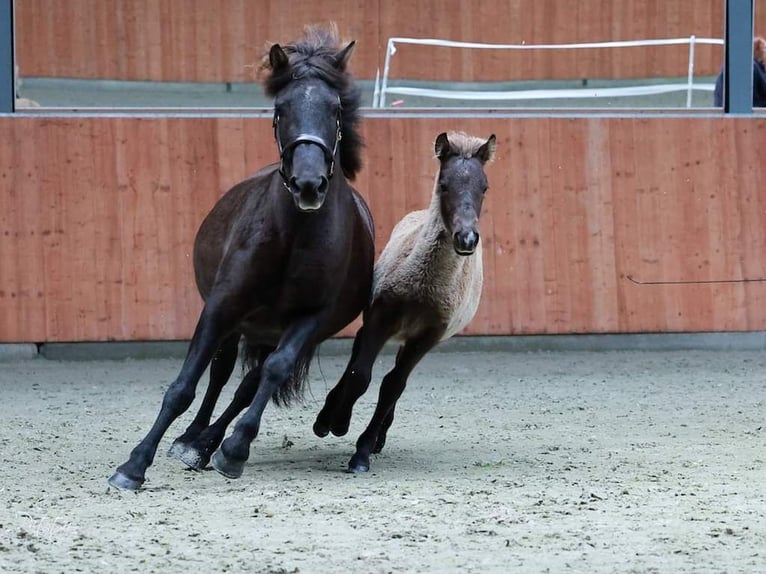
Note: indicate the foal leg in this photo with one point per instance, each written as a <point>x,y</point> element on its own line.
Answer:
<point>391,389</point>
<point>198,453</point>
<point>212,327</point>
<point>335,416</point>
<point>230,458</point>
<point>220,370</point>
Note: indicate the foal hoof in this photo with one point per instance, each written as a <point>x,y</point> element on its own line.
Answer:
<point>124,482</point>
<point>358,464</point>
<point>227,467</point>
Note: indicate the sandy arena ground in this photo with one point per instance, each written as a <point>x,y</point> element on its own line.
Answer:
<point>497,462</point>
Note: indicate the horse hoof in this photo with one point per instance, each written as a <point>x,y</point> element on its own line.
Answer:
<point>321,429</point>
<point>177,449</point>
<point>227,467</point>
<point>194,459</point>
<point>337,430</point>
<point>122,481</point>
<point>358,465</point>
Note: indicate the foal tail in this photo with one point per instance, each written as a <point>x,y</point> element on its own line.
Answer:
<point>294,388</point>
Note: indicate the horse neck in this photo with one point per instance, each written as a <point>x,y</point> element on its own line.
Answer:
<point>434,245</point>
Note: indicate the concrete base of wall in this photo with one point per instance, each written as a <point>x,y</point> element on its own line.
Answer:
<point>119,350</point>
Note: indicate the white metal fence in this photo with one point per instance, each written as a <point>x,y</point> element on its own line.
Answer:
<point>382,88</point>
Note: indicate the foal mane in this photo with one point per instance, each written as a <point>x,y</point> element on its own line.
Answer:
<point>313,56</point>
<point>466,146</point>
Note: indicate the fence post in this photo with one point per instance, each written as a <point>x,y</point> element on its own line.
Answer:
<point>690,80</point>
<point>738,67</point>
<point>7,87</point>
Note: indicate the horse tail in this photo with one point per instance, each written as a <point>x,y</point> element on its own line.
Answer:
<point>294,388</point>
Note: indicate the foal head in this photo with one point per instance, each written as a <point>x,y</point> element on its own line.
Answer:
<point>461,185</point>
<point>315,112</point>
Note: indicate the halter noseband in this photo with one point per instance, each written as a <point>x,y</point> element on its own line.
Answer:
<point>307,139</point>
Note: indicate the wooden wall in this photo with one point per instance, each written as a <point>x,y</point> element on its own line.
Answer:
<point>221,40</point>
<point>98,215</point>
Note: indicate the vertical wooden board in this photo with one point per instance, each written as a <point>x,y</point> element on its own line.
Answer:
<point>600,230</point>
<point>531,164</point>
<point>752,202</point>
<point>495,230</point>
<point>231,161</point>
<point>70,274</point>
<point>22,270</point>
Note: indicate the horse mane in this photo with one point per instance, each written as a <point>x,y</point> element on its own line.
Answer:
<point>466,146</point>
<point>313,56</point>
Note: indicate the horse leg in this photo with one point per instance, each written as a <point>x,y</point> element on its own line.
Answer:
<point>335,416</point>
<point>221,368</point>
<point>277,369</point>
<point>391,389</point>
<point>384,426</point>
<point>211,328</point>
<point>198,453</point>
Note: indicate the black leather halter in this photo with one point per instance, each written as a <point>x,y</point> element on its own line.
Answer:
<point>329,153</point>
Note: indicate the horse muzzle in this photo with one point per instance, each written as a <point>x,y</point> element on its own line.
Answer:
<point>465,242</point>
<point>308,193</point>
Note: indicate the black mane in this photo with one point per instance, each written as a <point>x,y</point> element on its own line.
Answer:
<point>313,56</point>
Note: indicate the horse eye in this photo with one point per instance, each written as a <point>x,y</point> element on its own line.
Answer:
<point>484,190</point>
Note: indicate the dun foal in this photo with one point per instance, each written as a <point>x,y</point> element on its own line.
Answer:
<point>426,287</point>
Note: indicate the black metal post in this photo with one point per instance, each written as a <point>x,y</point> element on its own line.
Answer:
<point>7,87</point>
<point>738,74</point>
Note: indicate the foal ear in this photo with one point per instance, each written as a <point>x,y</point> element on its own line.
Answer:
<point>277,58</point>
<point>487,151</point>
<point>342,57</point>
<point>441,146</point>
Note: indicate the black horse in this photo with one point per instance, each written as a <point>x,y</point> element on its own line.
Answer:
<point>284,259</point>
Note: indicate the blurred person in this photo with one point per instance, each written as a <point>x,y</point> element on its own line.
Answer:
<point>759,77</point>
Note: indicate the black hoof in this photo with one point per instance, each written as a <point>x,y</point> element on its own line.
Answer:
<point>358,464</point>
<point>339,430</point>
<point>321,429</point>
<point>123,482</point>
<point>194,459</point>
<point>227,467</point>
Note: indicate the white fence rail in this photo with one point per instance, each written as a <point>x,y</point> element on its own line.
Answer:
<point>382,88</point>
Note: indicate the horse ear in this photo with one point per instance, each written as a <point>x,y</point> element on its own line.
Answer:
<point>277,57</point>
<point>441,146</point>
<point>487,151</point>
<point>342,57</point>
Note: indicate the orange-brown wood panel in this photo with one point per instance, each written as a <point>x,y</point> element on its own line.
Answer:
<point>176,40</point>
<point>591,224</point>
<point>222,40</point>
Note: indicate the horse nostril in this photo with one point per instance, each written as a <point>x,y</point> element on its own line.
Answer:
<point>323,182</point>
<point>465,242</point>
<point>312,186</point>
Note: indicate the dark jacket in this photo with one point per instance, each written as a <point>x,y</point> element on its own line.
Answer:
<point>759,86</point>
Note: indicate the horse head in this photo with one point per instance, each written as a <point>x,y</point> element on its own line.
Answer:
<point>462,184</point>
<point>311,90</point>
